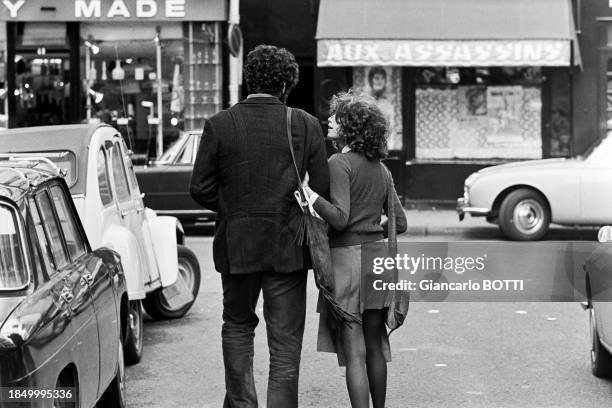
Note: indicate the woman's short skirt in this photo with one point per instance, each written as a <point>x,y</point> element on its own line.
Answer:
<point>353,291</point>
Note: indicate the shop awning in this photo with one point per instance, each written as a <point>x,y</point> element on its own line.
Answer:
<point>445,33</point>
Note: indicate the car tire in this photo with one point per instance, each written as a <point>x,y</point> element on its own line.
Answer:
<point>132,345</point>
<point>114,395</point>
<point>189,268</point>
<point>524,215</point>
<point>601,360</point>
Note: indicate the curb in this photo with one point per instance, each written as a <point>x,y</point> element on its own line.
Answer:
<point>441,230</point>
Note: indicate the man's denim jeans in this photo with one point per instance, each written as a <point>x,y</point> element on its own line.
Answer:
<point>284,297</point>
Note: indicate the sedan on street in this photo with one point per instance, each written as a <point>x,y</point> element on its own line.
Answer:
<point>524,198</point>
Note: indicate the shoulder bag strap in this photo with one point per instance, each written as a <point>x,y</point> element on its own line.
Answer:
<point>392,236</point>
<point>290,139</point>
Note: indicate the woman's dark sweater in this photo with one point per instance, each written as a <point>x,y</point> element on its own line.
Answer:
<point>358,196</point>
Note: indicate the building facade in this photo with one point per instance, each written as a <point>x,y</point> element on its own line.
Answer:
<point>464,84</point>
<point>116,61</point>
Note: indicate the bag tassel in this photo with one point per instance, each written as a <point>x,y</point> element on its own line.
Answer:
<point>335,311</point>
<point>300,236</point>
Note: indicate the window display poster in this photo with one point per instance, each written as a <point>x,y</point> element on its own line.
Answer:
<point>478,122</point>
<point>384,84</point>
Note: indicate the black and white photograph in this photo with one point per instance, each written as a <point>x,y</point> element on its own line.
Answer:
<point>305,203</point>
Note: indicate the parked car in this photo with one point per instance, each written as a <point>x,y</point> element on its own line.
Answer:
<point>165,182</point>
<point>598,283</point>
<point>63,307</point>
<point>162,274</point>
<point>523,198</point>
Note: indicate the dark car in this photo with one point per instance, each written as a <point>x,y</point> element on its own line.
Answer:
<point>598,288</point>
<point>62,305</point>
<point>165,182</point>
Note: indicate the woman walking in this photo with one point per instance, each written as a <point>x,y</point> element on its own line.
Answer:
<point>358,198</point>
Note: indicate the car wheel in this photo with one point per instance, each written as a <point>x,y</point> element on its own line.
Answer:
<point>524,215</point>
<point>114,396</point>
<point>189,271</point>
<point>601,360</point>
<point>133,338</point>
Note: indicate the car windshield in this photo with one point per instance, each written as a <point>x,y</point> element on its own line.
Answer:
<point>601,152</point>
<point>174,148</point>
<point>13,274</point>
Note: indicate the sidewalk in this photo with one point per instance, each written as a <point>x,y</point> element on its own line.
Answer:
<point>443,222</point>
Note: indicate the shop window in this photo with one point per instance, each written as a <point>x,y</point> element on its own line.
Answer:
<point>385,85</point>
<point>41,88</point>
<point>203,73</point>
<point>123,78</point>
<point>42,68</point>
<point>478,113</point>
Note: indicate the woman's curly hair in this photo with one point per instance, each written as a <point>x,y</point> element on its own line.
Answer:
<point>362,124</point>
<point>268,68</point>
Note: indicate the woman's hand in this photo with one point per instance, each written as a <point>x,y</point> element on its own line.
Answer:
<point>309,192</point>
<point>311,196</point>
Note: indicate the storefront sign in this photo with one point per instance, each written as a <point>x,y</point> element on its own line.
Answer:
<point>112,10</point>
<point>333,53</point>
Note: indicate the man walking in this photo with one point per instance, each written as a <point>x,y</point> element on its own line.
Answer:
<point>244,172</point>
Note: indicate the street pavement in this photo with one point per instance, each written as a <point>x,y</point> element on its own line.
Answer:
<point>446,354</point>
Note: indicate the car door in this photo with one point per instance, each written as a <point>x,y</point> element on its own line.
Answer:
<point>70,255</point>
<point>174,179</point>
<point>130,210</point>
<point>168,184</point>
<point>49,303</point>
<point>140,219</point>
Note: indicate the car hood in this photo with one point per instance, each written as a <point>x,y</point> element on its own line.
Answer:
<point>7,305</point>
<point>532,165</point>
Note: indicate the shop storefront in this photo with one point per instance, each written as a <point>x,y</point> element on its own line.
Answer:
<point>115,61</point>
<point>464,84</point>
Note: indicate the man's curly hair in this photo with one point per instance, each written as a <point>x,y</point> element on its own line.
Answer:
<point>268,68</point>
<point>362,124</point>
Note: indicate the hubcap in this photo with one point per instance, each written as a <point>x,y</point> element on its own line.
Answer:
<point>528,216</point>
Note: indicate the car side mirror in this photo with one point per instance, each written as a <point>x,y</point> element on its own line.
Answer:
<point>605,234</point>
<point>142,195</point>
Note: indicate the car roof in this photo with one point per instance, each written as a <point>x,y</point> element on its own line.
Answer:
<point>74,138</point>
<point>16,180</point>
